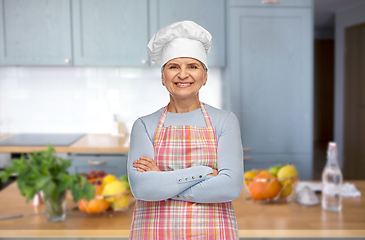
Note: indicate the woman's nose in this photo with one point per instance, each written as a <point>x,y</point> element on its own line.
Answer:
<point>183,73</point>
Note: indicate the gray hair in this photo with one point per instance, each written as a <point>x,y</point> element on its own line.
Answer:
<point>203,65</point>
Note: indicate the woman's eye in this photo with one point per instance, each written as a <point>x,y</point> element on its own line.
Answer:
<point>173,67</point>
<point>193,67</point>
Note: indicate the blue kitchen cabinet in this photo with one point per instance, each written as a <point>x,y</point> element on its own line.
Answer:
<point>207,13</point>
<point>111,163</point>
<point>110,32</point>
<point>98,33</point>
<point>35,32</point>
<point>271,81</point>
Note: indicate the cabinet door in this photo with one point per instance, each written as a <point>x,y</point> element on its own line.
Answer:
<point>208,14</point>
<point>35,32</point>
<point>110,163</point>
<point>272,90</point>
<point>110,32</point>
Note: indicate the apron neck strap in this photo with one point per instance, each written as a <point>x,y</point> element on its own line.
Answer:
<point>202,107</point>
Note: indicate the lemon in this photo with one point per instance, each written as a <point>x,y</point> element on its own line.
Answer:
<point>121,203</point>
<point>286,191</point>
<point>107,179</point>
<point>250,175</point>
<point>287,171</point>
<point>113,188</point>
<point>124,179</point>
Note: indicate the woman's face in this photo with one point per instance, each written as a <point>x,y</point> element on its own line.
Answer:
<point>183,77</point>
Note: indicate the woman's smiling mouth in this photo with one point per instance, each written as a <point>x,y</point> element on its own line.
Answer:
<point>183,84</point>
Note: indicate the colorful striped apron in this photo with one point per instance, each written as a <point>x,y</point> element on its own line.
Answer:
<point>178,147</point>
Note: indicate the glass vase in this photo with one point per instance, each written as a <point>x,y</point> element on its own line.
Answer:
<point>56,208</point>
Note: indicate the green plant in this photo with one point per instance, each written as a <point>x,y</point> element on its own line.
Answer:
<point>46,172</point>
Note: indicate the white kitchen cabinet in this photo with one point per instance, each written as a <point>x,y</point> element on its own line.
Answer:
<point>271,81</point>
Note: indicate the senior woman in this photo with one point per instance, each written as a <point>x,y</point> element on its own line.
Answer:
<point>185,163</point>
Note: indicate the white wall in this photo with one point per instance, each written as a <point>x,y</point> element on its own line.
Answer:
<point>349,16</point>
<point>80,99</point>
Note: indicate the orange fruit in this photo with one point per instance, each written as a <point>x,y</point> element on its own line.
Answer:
<point>263,190</point>
<point>264,171</point>
<point>94,205</point>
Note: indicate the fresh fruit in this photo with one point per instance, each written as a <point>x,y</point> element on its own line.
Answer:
<point>95,205</point>
<point>94,174</point>
<point>114,188</point>
<point>288,171</point>
<point>263,190</point>
<point>124,178</point>
<point>286,191</point>
<point>121,203</point>
<point>263,171</point>
<point>108,178</point>
<point>249,175</point>
<point>274,170</point>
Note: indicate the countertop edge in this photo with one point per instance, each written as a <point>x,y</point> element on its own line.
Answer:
<point>81,145</point>
<point>125,233</point>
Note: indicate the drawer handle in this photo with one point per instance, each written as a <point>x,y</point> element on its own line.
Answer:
<point>270,1</point>
<point>96,162</point>
<point>247,149</point>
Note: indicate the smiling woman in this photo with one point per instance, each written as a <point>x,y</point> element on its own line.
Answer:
<point>185,160</point>
<point>183,78</point>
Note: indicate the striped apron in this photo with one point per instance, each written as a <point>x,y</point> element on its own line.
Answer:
<point>178,147</point>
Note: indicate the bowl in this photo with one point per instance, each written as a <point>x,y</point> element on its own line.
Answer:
<point>270,189</point>
<point>100,204</point>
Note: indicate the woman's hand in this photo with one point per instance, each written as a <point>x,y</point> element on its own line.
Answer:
<point>145,164</point>
<point>215,173</point>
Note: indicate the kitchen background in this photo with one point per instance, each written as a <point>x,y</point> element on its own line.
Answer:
<point>49,99</point>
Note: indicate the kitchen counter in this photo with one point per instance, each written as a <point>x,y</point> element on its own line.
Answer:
<point>255,220</point>
<point>89,143</point>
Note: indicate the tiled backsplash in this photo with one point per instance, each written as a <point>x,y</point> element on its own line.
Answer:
<point>84,99</point>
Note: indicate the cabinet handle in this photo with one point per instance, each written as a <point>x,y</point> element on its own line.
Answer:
<point>270,1</point>
<point>144,61</point>
<point>96,162</point>
<point>247,149</point>
<point>67,60</point>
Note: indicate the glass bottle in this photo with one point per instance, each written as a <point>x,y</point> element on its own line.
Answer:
<point>332,181</point>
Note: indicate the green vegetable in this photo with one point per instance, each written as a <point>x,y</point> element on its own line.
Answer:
<point>47,172</point>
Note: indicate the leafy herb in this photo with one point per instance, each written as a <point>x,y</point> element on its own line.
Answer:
<point>47,172</point>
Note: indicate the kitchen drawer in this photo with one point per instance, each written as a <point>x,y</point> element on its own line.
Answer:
<point>115,164</point>
<point>270,3</point>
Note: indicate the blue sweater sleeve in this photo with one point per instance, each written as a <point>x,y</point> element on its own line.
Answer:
<point>228,184</point>
<point>152,185</point>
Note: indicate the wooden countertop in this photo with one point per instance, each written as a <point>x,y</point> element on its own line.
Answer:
<point>255,220</point>
<point>89,143</point>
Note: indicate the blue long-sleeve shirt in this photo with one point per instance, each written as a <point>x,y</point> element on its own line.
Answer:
<point>157,186</point>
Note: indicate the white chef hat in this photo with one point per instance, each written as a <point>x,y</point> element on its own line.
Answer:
<point>180,39</point>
